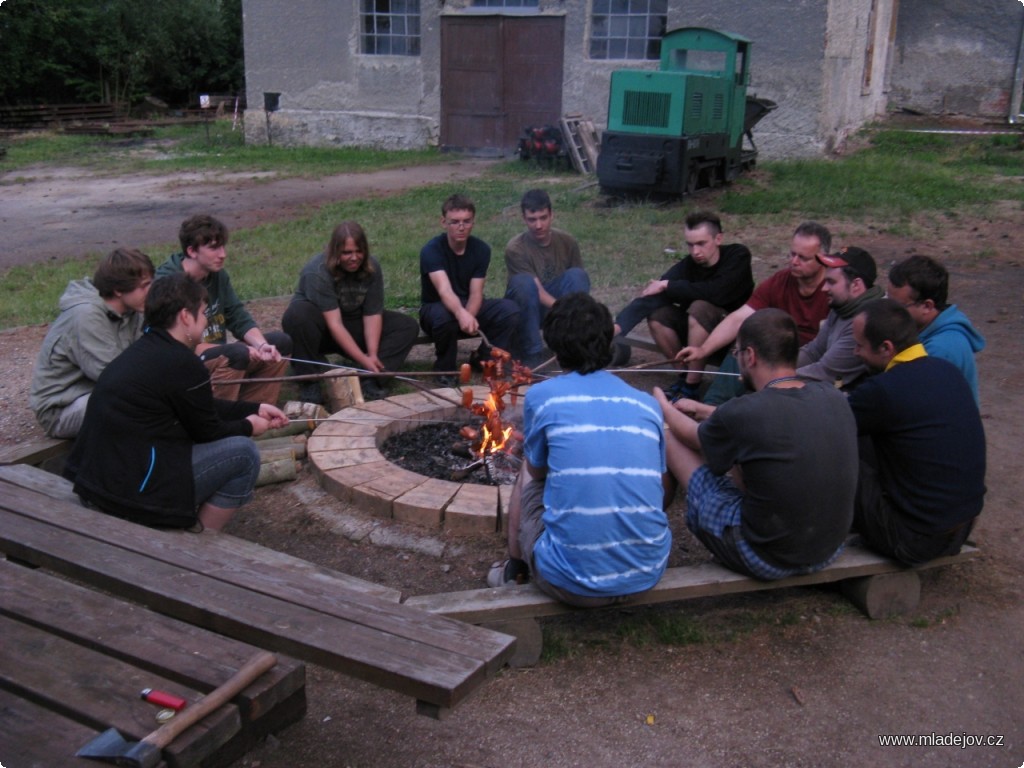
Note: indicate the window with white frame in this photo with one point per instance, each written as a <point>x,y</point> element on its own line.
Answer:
<point>627,29</point>
<point>390,27</point>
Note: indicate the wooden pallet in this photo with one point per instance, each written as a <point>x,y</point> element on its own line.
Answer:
<point>582,141</point>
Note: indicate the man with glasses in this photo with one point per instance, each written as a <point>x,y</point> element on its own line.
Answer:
<point>453,271</point>
<point>921,285</point>
<point>794,444</point>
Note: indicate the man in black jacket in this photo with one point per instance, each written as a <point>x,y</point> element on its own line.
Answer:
<point>685,304</point>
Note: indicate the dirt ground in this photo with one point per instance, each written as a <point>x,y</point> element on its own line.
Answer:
<point>784,678</point>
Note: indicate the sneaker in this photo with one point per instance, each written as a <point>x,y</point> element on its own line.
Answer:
<point>510,571</point>
<point>683,390</point>
<point>447,381</point>
<point>621,352</point>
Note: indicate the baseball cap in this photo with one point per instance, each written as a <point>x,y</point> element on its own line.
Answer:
<point>857,259</point>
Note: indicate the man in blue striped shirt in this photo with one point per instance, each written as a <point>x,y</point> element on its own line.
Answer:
<point>586,519</point>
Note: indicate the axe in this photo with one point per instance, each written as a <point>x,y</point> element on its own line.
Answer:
<point>111,747</point>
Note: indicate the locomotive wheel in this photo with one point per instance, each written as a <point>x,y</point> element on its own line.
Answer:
<point>693,179</point>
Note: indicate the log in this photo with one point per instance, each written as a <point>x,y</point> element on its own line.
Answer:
<point>343,391</point>
<point>277,472</point>
<point>295,409</point>
<point>277,453</point>
<point>296,442</point>
<point>295,428</point>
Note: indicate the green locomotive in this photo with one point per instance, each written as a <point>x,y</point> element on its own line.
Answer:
<point>681,128</point>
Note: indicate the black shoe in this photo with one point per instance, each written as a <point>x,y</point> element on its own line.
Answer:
<point>621,352</point>
<point>373,389</point>
<point>310,392</point>
<point>478,356</point>
<point>683,390</point>
<point>447,381</point>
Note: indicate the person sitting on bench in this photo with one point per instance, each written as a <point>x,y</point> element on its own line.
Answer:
<point>794,443</point>
<point>922,443</point>
<point>586,517</point>
<point>98,320</point>
<point>156,448</point>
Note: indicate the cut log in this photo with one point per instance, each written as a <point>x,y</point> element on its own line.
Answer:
<point>277,472</point>
<point>343,391</point>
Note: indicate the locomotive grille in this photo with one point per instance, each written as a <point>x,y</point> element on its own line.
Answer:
<point>646,109</point>
<point>696,105</point>
<point>718,109</point>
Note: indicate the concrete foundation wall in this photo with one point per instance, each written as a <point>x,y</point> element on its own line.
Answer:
<point>308,51</point>
<point>956,56</point>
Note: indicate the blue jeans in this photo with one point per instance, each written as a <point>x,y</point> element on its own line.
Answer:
<point>225,471</point>
<point>523,291</point>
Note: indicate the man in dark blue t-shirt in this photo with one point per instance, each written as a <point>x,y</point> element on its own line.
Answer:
<point>922,444</point>
<point>453,270</point>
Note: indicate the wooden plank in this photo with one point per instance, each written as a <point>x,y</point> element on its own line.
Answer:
<point>32,736</point>
<point>251,569</point>
<point>101,692</point>
<point>398,661</point>
<point>316,580</point>
<point>193,657</point>
<point>705,580</point>
<point>34,451</point>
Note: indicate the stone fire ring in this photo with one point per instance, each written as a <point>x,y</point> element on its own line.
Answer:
<point>344,452</point>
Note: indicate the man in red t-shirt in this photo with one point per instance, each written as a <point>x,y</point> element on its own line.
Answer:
<point>795,290</point>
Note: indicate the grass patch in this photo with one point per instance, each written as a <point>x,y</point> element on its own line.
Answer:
<point>671,626</point>
<point>899,176</point>
<point>215,147</point>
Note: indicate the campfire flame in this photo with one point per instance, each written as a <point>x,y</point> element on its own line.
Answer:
<point>494,435</point>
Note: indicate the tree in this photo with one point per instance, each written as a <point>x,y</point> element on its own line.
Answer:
<point>119,50</point>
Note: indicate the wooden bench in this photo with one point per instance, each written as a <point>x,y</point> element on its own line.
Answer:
<point>36,452</point>
<point>250,593</point>
<point>877,585</point>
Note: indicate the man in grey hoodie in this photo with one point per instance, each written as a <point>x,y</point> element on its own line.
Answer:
<point>98,320</point>
<point>921,284</point>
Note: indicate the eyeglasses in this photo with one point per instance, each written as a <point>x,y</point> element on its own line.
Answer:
<point>736,349</point>
<point>459,224</point>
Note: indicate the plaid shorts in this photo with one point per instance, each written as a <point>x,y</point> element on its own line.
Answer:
<point>713,514</point>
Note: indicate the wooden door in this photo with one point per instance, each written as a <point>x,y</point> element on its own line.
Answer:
<point>499,74</point>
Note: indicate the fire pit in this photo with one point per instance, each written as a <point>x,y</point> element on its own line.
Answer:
<point>345,454</point>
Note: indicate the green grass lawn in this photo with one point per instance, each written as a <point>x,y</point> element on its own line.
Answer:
<point>896,176</point>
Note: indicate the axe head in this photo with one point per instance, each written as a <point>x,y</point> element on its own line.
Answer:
<point>111,747</point>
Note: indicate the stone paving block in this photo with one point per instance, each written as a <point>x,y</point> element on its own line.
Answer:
<point>341,443</point>
<point>376,496</point>
<point>327,460</point>
<point>504,498</point>
<point>473,510</point>
<point>332,428</point>
<point>339,481</point>
<point>424,505</point>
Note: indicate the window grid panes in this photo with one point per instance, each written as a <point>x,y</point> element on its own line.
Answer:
<point>505,3</point>
<point>390,27</point>
<point>627,29</point>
